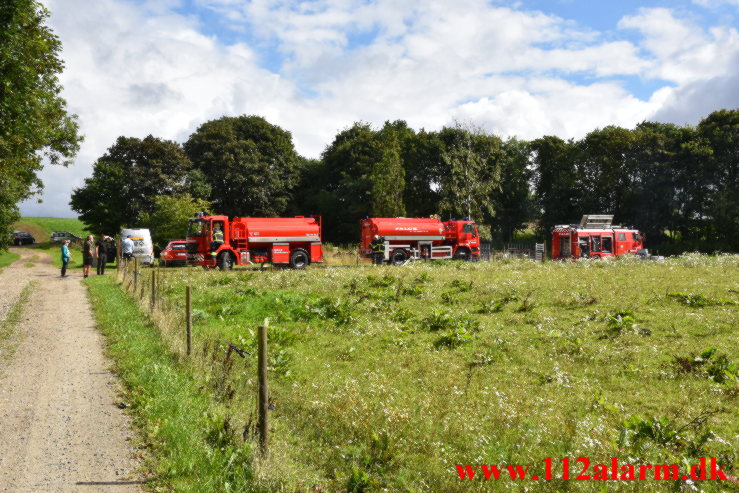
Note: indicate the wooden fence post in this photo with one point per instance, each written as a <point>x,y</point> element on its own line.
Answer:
<point>263,390</point>
<point>188,318</point>
<point>118,256</point>
<point>135,275</point>
<point>153,289</point>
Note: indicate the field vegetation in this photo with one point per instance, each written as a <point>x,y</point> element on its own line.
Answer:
<point>386,378</point>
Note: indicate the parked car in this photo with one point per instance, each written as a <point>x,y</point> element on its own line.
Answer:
<point>59,236</point>
<point>174,254</point>
<point>23,238</point>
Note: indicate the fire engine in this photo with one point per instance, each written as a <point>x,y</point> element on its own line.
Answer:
<point>407,238</point>
<point>594,237</point>
<point>293,241</point>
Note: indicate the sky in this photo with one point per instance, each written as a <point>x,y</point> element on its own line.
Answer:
<point>514,68</point>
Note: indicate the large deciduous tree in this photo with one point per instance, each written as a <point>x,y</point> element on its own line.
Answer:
<point>34,122</point>
<point>127,180</point>
<point>555,182</point>
<point>470,165</point>
<point>513,201</point>
<point>250,165</point>
<point>347,172</point>
<point>720,130</point>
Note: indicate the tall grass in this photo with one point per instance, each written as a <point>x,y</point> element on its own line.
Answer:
<point>384,378</point>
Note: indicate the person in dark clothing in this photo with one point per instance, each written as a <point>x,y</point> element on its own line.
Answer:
<point>88,250</point>
<point>101,249</point>
<point>378,250</point>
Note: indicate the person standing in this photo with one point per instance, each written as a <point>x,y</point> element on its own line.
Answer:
<point>65,257</point>
<point>217,240</point>
<point>101,249</point>
<point>378,250</point>
<point>88,250</point>
<point>127,248</point>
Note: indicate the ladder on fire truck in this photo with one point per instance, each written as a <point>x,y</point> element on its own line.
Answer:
<point>596,221</point>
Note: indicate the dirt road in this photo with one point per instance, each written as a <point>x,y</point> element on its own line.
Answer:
<point>60,428</point>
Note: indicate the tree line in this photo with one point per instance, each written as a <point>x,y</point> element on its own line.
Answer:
<point>34,122</point>
<point>678,184</point>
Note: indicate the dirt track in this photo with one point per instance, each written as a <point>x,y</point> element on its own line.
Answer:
<point>60,428</point>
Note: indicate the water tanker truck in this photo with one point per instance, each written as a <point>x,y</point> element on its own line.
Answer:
<point>217,241</point>
<point>404,238</point>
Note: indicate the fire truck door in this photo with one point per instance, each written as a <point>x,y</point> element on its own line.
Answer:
<point>620,243</point>
<point>595,243</point>
<point>565,246</point>
<point>607,244</point>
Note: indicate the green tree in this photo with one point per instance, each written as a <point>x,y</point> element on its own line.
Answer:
<point>471,162</point>
<point>348,165</point>
<point>250,165</point>
<point>421,154</point>
<point>34,122</point>
<point>605,171</point>
<point>513,200</point>
<point>127,180</point>
<point>555,182</point>
<point>720,130</point>
<point>388,176</point>
<point>169,219</point>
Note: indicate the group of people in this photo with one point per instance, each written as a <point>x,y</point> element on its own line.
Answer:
<point>92,250</point>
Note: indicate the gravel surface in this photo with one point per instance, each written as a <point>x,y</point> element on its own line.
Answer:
<point>60,428</point>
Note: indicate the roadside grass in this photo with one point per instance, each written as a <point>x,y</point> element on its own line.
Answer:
<point>384,378</point>
<point>9,325</point>
<point>7,258</point>
<point>182,429</point>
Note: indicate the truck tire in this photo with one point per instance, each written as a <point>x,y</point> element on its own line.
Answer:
<point>398,256</point>
<point>299,259</point>
<point>462,254</point>
<point>225,261</point>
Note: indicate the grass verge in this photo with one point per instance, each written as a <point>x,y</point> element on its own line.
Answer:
<point>183,428</point>
<point>7,258</point>
<point>13,318</point>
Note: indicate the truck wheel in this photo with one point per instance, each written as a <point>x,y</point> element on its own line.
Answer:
<point>462,254</point>
<point>225,261</point>
<point>299,259</point>
<point>398,257</point>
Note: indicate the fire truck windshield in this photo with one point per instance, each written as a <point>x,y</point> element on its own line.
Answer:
<point>196,228</point>
<point>469,228</point>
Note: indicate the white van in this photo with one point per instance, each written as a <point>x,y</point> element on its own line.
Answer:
<point>143,248</point>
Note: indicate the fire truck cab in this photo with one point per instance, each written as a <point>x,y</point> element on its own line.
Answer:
<point>217,241</point>
<point>594,237</point>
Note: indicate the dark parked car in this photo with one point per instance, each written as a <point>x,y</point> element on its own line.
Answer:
<point>23,238</point>
<point>60,236</point>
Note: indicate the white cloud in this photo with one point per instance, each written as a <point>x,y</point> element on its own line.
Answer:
<point>139,68</point>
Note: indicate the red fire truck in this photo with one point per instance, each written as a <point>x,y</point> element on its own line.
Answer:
<point>594,237</point>
<point>407,238</point>
<point>293,241</point>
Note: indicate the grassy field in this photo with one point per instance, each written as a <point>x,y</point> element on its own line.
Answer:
<point>386,378</point>
<point>42,227</point>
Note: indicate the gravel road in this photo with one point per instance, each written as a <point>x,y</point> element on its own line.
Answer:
<point>60,428</point>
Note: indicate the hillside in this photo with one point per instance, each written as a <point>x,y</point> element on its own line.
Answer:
<point>42,227</point>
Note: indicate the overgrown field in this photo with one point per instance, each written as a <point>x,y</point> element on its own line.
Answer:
<point>385,378</point>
